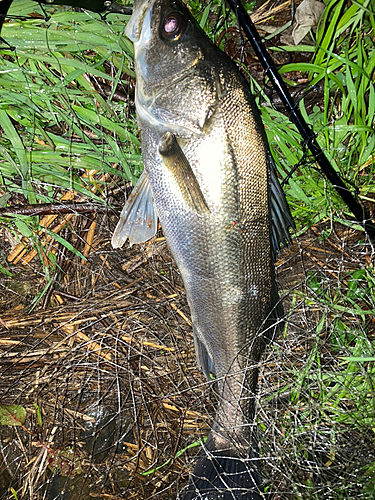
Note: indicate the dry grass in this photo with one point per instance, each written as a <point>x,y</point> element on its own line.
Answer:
<point>114,348</point>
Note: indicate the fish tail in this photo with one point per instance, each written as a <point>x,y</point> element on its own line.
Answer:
<point>223,475</point>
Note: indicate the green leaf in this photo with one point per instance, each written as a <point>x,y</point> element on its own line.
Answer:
<point>358,359</point>
<point>5,271</point>
<point>351,89</point>
<point>14,415</point>
<point>16,141</point>
<point>38,414</point>
<point>4,199</point>
<point>23,228</point>
<point>14,493</point>
<point>205,15</point>
<point>65,243</point>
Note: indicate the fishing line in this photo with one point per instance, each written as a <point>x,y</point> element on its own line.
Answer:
<point>216,27</point>
<point>303,161</point>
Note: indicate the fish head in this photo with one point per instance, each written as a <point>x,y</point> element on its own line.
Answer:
<point>172,68</point>
<point>164,36</point>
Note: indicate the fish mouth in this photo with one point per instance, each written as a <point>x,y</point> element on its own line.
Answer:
<point>136,23</point>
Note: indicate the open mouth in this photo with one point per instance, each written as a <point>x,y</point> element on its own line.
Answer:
<point>134,27</point>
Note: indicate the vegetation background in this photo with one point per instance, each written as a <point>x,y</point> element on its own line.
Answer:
<point>68,134</point>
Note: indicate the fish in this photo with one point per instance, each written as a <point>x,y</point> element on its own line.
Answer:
<point>210,179</point>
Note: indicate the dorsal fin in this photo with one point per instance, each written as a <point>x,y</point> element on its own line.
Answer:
<point>281,218</point>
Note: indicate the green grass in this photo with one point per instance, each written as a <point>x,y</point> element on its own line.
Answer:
<point>47,97</point>
<point>346,393</point>
<point>336,397</point>
<point>44,85</point>
<point>55,125</point>
<point>344,60</point>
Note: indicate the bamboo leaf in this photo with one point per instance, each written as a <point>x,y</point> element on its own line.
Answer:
<point>16,141</point>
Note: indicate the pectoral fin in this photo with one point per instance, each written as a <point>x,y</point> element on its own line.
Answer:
<point>138,219</point>
<point>176,162</point>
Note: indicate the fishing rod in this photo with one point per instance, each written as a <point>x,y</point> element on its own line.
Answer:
<point>296,117</point>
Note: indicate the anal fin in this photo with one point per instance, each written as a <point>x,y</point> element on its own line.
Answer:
<point>203,358</point>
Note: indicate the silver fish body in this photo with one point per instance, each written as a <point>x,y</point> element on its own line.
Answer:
<point>208,165</point>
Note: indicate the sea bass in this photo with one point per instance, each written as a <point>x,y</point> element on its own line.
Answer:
<point>209,177</point>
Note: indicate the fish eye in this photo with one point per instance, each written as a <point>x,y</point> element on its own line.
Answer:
<point>171,28</point>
